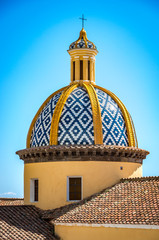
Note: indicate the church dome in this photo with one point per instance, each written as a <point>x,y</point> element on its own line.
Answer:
<point>82,113</point>
<point>82,41</point>
<point>74,121</point>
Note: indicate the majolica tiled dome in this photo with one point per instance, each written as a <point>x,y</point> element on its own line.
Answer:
<point>76,124</point>
<point>82,41</point>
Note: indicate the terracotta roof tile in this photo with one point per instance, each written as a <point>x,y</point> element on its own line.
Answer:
<point>23,222</point>
<point>132,201</point>
<point>11,201</point>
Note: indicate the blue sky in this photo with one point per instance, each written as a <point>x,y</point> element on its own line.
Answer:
<point>34,63</point>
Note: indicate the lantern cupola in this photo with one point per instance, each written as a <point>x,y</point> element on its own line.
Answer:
<point>82,53</point>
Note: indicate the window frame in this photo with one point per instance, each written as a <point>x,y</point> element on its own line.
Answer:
<point>32,190</point>
<point>68,177</point>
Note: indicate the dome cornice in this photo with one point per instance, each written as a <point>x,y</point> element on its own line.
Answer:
<point>82,153</point>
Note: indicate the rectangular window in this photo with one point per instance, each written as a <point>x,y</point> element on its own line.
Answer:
<point>73,70</point>
<point>88,70</point>
<point>81,70</point>
<point>34,189</point>
<point>74,188</point>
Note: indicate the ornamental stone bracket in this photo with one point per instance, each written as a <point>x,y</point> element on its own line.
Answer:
<point>53,153</point>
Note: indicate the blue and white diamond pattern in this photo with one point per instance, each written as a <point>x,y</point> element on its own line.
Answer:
<point>89,44</point>
<point>113,123</point>
<point>41,131</point>
<point>76,122</point>
<point>72,45</point>
<point>81,44</point>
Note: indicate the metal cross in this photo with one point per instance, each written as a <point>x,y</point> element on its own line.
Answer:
<point>83,19</point>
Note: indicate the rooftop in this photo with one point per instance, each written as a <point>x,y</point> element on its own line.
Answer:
<point>11,201</point>
<point>23,222</point>
<point>132,201</point>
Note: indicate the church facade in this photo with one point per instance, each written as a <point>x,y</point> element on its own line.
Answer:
<point>80,144</point>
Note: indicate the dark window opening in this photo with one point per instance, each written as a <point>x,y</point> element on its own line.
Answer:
<point>88,70</point>
<point>36,190</point>
<point>81,70</point>
<point>73,70</point>
<point>74,188</point>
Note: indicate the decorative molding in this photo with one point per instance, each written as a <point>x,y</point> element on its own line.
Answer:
<point>82,153</point>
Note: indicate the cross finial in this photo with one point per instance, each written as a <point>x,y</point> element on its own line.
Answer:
<point>83,19</point>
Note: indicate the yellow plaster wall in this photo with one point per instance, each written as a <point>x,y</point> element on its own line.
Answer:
<point>103,233</point>
<point>53,179</point>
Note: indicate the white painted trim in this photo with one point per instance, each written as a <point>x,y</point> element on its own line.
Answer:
<point>83,81</point>
<point>32,182</point>
<point>80,51</point>
<point>68,188</point>
<point>136,226</point>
